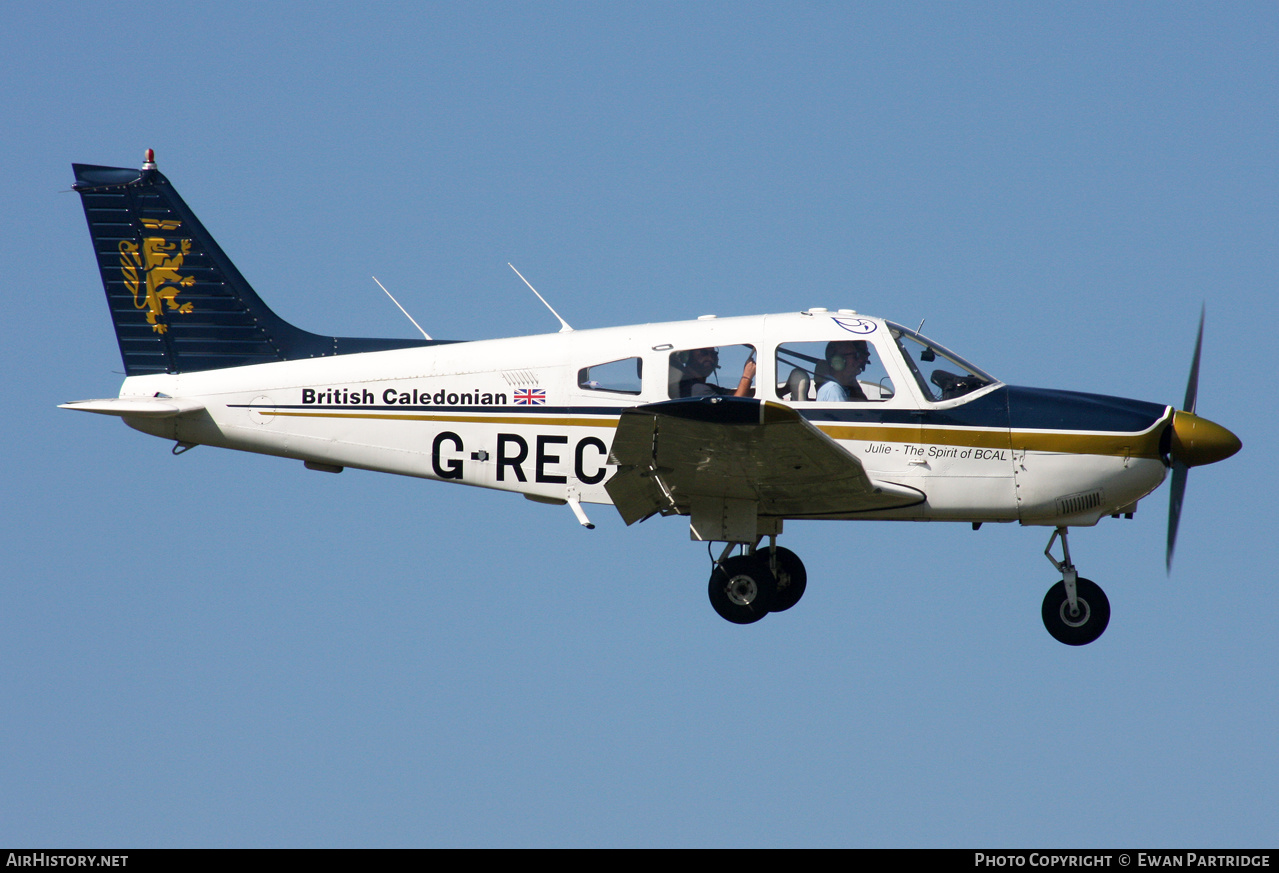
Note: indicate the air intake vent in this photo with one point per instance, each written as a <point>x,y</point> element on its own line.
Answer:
<point>1075,504</point>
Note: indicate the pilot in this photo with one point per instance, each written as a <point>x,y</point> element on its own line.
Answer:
<point>845,361</point>
<point>698,368</point>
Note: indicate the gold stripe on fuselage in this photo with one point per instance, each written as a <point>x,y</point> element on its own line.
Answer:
<point>1134,445</point>
<point>1131,445</point>
<point>473,418</point>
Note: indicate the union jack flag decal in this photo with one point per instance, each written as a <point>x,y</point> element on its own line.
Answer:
<point>530,397</point>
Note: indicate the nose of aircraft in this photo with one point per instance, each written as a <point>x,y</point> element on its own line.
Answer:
<point>1197,441</point>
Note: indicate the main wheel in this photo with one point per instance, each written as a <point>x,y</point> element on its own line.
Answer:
<point>742,589</point>
<point>1088,621</point>
<point>792,579</point>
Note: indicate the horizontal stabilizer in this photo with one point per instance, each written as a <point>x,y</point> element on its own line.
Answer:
<point>136,407</point>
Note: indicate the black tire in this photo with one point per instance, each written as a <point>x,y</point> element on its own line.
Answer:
<point>742,589</point>
<point>792,579</point>
<point>1081,629</point>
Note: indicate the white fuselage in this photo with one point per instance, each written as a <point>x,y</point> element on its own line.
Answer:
<point>515,415</point>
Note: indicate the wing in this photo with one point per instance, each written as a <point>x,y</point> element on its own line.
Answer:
<point>732,448</point>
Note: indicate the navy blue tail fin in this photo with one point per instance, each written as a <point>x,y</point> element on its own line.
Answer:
<point>177,302</point>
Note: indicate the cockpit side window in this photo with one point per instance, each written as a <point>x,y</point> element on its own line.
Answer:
<point>940,374</point>
<point>840,371</point>
<point>618,377</point>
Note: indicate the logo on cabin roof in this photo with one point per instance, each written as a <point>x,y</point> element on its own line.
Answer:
<point>855,325</point>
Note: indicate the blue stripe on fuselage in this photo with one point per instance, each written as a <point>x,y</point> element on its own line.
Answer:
<point>1012,406</point>
<point>1050,409</point>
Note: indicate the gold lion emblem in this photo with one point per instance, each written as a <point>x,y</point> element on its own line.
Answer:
<point>159,261</point>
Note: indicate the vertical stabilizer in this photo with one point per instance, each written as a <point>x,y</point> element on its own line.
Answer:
<point>177,302</point>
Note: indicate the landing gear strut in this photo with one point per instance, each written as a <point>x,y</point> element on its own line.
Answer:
<point>1075,610</point>
<point>745,588</point>
<point>792,579</point>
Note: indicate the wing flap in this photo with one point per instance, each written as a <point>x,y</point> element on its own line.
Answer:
<point>737,449</point>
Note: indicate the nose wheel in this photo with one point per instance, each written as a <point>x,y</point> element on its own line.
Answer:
<point>1082,624</point>
<point>1076,610</point>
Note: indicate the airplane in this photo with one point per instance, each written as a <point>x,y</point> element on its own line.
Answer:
<point>836,414</point>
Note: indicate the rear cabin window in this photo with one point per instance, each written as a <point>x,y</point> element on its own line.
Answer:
<point>840,371</point>
<point>712,371</point>
<point>616,377</point>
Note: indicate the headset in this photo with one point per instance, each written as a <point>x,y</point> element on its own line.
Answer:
<point>682,359</point>
<point>839,362</point>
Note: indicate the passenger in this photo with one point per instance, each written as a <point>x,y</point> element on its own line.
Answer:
<point>698,368</point>
<point>845,361</point>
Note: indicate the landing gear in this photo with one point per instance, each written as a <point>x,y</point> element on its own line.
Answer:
<point>792,579</point>
<point>745,588</point>
<point>742,589</point>
<point>1076,610</point>
<point>1083,624</point>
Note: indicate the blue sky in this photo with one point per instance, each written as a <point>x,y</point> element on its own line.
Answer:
<point>227,650</point>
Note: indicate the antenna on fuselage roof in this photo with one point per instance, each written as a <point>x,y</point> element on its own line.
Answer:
<point>402,309</point>
<point>540,297</point>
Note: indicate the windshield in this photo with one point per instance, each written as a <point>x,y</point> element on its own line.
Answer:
<point>941,374</point>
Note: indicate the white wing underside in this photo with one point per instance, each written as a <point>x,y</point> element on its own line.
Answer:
<point>671,454</point>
